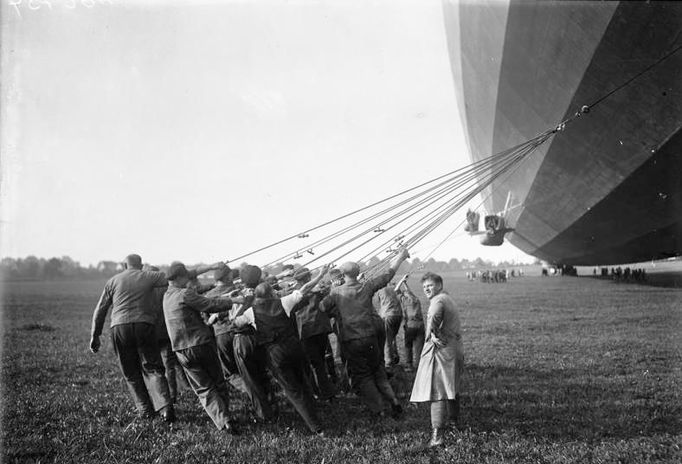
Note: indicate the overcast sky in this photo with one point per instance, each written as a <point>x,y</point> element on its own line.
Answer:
<point>199,131</point>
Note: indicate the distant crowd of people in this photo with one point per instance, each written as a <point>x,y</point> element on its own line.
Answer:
<point>493,275</point>
<point>623,274</point>
<point>236,334</point>
<point>618,274</point>
<point>561,270</point>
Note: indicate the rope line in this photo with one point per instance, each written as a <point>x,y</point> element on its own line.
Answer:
<point>442,217</point>
<point>450,189</point>
<point>637,76</point>
<point>364,208</point>
<point>378,267</point>
<point>448,185</point>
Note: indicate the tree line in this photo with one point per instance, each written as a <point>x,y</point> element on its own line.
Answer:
<point>65,268</point>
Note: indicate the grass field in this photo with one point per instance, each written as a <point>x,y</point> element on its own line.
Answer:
<point>559,370</point>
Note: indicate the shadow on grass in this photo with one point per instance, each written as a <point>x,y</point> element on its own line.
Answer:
<point>565,404</point>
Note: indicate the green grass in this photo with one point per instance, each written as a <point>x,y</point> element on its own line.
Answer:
<point>558,370</point>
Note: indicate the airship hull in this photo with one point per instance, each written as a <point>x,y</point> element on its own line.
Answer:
<point>606,189</point>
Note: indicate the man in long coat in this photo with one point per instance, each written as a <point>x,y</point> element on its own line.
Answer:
<point>439,376</point>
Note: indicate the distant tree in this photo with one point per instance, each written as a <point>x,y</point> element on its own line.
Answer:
<point>52,268</point>
<point>71,268</point>
<point>478,262</point>
<point>8,268</point>
<point>454,264</point>
<point>107,268</point>
<point>431,265</point>
<point>33,268</point>
<point>29,267</point>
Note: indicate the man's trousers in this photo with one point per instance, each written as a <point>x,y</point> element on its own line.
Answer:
<point>140,361</point>
<point>315,349</point>
<point>251,365</point>
<point>392,325</point>
<point>287,363</point>
<point>174,372</point>
<point>414,343</point>
<point>368,375</point>
<point>204,375</point>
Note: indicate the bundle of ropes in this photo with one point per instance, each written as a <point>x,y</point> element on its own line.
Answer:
<point>408,217</point>
<point>400,220</point>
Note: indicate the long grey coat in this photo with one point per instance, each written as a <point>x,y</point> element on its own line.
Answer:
<point>439,375</point>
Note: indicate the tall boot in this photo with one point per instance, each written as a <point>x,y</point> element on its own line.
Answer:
<point>167,413</point>
<point>436,437</point>
<point>453,411</point>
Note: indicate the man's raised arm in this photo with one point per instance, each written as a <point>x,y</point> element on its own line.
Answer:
<point>399,259</point>
<point>310,285</point>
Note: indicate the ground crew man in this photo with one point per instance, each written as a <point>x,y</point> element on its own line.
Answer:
<point>129,294</point>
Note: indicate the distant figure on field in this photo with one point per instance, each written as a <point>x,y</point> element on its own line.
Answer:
<point>129,294</point>
<point>439,375</point>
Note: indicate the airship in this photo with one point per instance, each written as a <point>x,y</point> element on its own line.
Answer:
<point>607,187</point>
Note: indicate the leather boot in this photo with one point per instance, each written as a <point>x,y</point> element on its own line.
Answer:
<point>396,410</point>
<point>453,412</point>
<point>231,428</point>
<point>436,438</point>
<point>167,414</point>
